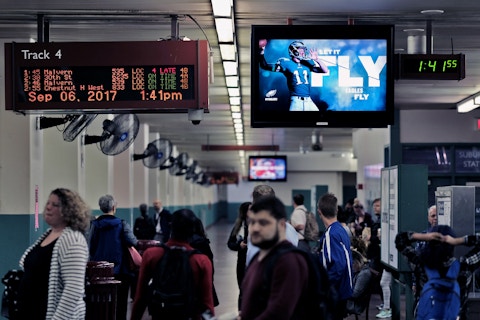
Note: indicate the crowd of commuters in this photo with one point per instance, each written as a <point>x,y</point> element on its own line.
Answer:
<point>53,285</point>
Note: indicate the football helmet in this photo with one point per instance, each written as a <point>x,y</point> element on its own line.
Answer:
<point>293,50</point>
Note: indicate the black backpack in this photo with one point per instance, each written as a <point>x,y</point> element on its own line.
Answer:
<point>172,289</point>
<point>322,298</point>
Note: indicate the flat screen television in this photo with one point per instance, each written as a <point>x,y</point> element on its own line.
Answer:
<point>267,168</point>
<point>322,76</point>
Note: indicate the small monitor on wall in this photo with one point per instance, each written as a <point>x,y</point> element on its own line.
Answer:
<point>322,76</point>
<point>267,168</point>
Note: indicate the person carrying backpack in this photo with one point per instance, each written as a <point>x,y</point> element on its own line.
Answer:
<point>304,223</point>
<point>175,281</point>
<point>278,283</point>
<point>445,292</point>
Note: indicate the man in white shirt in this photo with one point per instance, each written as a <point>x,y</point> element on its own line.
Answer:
<point>299,220</point>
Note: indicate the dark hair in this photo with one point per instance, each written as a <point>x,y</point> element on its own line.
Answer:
<point>183,224</point>
<point>241,217</point>
<point>342,215</point>
<point>262,190</point>
<point>436,253</point>
<point>106,203</point>
<point>198,228</point>
<point>270,204</point>
<point>328,205</point>
<point>298,199</point>
<point>75,211</point>
<point>376,200</point>
<point>143,209</point>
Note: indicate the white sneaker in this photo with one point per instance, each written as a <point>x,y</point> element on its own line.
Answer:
<point>385,313</point>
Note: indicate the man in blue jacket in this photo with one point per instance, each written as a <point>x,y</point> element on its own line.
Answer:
<point>336,254</point>
<point>108,239</point>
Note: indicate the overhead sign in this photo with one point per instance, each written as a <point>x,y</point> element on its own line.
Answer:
<point>104,77</point>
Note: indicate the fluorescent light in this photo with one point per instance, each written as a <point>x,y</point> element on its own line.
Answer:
<point>225,29</point>
<point>469,104</point>
<point>230,68</point>
<point>233,92</point>
<point>234,101</point>
<point>231,81</point>
<point>241,153</point>
<point>238,130</point>
<point>236,115</point>
<point>237,121</point>
<point>228,51</point>
<point>239,142</point>
<point>235,108</point>
<point>222,8</point>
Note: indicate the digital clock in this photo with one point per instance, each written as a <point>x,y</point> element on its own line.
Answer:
<point>105,77</point>
<point>431,66</point>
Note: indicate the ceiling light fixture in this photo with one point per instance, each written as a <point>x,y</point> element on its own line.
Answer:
<point>469,104</point>
<point>432,12</point>
<point>224,15</point>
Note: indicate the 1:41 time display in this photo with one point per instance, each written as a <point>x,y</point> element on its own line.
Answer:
<point>431,65</point>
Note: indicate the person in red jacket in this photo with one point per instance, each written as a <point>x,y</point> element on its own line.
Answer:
<point>181,231</point>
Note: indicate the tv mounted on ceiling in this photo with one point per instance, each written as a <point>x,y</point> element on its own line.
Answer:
<point>322,76</point>
<point>267,168</point>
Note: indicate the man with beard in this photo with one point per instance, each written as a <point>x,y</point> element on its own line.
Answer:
<point>267,220</point>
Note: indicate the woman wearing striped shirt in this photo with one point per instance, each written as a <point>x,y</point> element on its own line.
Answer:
<point>53,284</point>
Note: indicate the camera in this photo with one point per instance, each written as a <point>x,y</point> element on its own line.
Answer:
<point>195,115</point>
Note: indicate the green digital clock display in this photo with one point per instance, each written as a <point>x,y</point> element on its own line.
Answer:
<point>431,66</point>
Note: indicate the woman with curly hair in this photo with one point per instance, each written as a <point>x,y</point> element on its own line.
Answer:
<point>53,284</point>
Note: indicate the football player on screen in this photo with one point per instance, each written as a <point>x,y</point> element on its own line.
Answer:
<point>297,69</point>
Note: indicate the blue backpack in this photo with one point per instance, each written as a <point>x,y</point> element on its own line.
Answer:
<point>440,297</point>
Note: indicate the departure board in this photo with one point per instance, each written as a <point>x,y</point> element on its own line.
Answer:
<point>104,77</point>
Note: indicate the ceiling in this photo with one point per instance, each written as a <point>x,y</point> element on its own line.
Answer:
<point>124,20</point>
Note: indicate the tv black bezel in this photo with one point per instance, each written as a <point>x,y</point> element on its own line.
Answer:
<point>283,157</point>
<point>319,119</point>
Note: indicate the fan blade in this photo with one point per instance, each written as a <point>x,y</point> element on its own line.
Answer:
<point>168,163</point>
<point>158,152</point>
<point>77,124</point>
<point>121,132</point>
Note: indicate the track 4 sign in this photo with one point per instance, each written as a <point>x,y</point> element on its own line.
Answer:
<point>102,77</point>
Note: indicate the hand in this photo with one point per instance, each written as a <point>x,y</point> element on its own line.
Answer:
<point>262,43</point>
<point>313,53</point>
